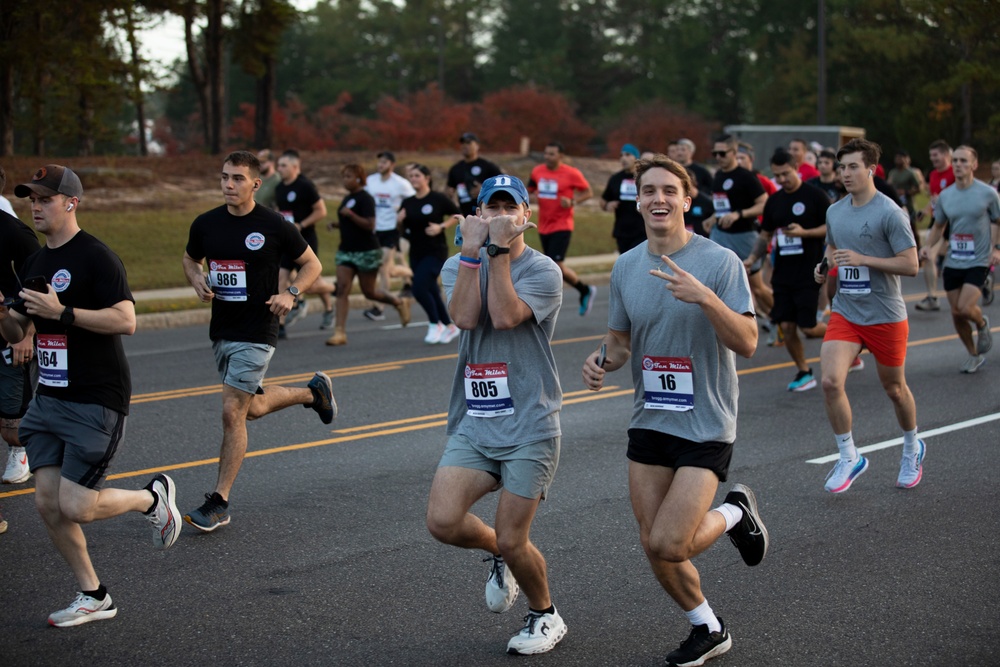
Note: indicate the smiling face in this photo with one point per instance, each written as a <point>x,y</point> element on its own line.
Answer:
<point>417,179</point>
<point>662,199</point>
<point>940,159</point>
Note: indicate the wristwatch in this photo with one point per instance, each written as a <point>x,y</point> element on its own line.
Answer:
<point>293,290</point>
<point>68,317</point>
<point>493,250</point>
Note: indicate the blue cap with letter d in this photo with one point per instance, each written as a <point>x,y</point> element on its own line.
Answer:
<point>512,185</point>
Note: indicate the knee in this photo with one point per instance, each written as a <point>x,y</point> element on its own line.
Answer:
<point>661,547</point>
<point>441,526</point>
<point>895,392</point>
<point>510,545</point>
<point>832,385</point>
<point>788,328</point>
<point>232,418</point>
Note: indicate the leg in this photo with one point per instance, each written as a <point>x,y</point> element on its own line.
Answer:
<point>345,278</point>
<point>794,345</point>
<point>371,290</point>
<point>235,406</point>
<point>424,280</point>
<point>894,382</point>
<point>514,517</point>
<point>453,493</point>
<point>836,357</point>
<point>568,274</point>
<point>965,312</point>
<point>277,398</point>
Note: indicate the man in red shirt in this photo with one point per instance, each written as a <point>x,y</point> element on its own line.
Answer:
<point>941,176</point>
<point>558,188</point>
<point>798,148</point>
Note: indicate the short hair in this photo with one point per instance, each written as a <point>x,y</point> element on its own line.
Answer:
<point>797,140</point>
<point>746,148</point>
<point>3,180</point>
<point>870,151</point>
<point>688,143</point>
<point>265,155</point>
<point>356,170</point>
<point>966,147</point>
<point>827,153</point>
<point>662,161</point>
<point>388,155</point>
<point>423,169</point>
<point>672,143</point>
<point>727,139</point>
<point>939,145</point>
<point>781,157</point>
<point>290,153</point>
<point>244,159</point>
<point>558,146</point>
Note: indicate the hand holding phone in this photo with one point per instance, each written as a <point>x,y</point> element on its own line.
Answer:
<point>602,356</point>
<point>37,284</point>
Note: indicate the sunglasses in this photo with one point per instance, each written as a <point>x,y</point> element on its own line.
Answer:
<point>721,153</point>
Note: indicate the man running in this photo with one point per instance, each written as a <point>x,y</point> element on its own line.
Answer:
<point>619,198</point>
<point>269,179</point>
<point>243,243</point>
<point>680,308</point>
<point>939,178</point>
<point>503,420</point>
<point>972,208</point>
<point>388,189</point>
<point>468,174</point>
<point>869,240</point>
<point>76,295</point>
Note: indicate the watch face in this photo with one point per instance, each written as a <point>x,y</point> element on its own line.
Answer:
<point>294,290</point>
<point>491,250</point>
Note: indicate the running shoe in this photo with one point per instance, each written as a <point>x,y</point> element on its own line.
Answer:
<point>911,468</point>
<point>327,322</point>
<point>587,302</point>
<point>804,381</point>
<point>857,365</point>
<point>213,513</point>
<point>749,535</point>
<point>374,314</point>
<point>776,338</point>
<point>404,311</point>
<point>451,332</point>
<point>3,526</point>
<point>434,332</point>
<point>83,609</point>
<point>501,587</point>
<point>164,516</point>
<point>17,470</point>
<point>844,473</point>
<point>541,633</point>
<point>298,311</point>
<point>988,289</point>
<point>973,363</point>
<point>701,645</point>
<point>928,303</point>
<point>984,341</point>
<point>323,403</point>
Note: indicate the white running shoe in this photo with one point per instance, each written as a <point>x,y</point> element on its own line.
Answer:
<point>541,633</point>
<point>451,332</point>
<point>434,332</point>
<point>83,609</point>
<point>972,364</point>
<point>844,474</point>
<point>165,518</point>
<point>17,467</point>
<point>501,587</point>
<point>911,468</point>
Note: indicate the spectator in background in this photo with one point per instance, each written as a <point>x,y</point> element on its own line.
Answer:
<point>702,177</point>
<point>619,198</point>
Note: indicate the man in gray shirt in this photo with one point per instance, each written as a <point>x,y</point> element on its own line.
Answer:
<point>680,308</point>
<point>503,419</point>
<point>870,242</point>
<point>973,209</point>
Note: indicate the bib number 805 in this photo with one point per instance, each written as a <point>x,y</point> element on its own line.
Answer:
<point>484,388</point>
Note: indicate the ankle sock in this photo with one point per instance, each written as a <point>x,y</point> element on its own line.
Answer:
<point>98,594</point>
<point>845,443</point>
<point>910,443</point>
<point>582,287</point>
<point>731,513</point>
<point>703,615</point>
<point>550,610</point>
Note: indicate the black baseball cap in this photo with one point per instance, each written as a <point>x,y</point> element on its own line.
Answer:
<point>467,137</point>
<point>51,180</point>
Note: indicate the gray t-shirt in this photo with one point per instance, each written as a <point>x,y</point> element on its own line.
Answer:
<point>867,296</point>
<point>970,212</point>
<point>677,358</point>
<point>531,381</point>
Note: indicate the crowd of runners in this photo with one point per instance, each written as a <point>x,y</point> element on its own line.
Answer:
<point>707,260</point>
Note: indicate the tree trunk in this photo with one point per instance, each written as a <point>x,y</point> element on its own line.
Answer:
<point>138,99</point>
<point>197,72</point>
<point>85,142</point>
<point>216,85</point>
<point>6,108</point>
<point>265,86</point>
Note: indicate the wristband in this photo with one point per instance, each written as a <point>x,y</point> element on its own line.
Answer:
<point>470,265</point>
<point>470,260</point>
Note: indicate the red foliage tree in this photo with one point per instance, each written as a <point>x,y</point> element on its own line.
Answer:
<point>653,125</point>
<point>504,116</point>
<point>424,120</point>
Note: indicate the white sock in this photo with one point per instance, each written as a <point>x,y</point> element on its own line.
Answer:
<point>910,445</point>
<point>703,615</point>
<point>845,443</point>
<point>731,513</point>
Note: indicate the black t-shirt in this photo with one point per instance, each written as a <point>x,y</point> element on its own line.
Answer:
<point>75,364</point>
<point>834,189</point>
<point>628,221</point>
<point>796,258</point>
<point>352,237</point>
<point>17,243</point>
<point>883,186</point>
<point>702,177</point>
<point>700,209</point>
<point>734,191</point>
<point>465,176</point>
<point>242,253</point>
<point>420,212</point>
<point>295,203</point>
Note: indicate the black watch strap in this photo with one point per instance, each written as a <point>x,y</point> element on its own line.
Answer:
<point>68,317</point>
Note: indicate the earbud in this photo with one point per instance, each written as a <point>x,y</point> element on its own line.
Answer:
<point>685,207</point>
<point>870,172</point>
<point>524,220</point>
<point>638,207</point>
<point>69,208</point>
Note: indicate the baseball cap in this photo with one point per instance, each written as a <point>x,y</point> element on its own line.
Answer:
<point>630,149</point>
<point>52,179</point>
<point>503,183</point>
<point>468,136</point>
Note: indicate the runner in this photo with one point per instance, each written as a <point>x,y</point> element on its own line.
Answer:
<point>619,198</point>
<point>243,244</point>
<point>828,180</point>
<point>798,149</point>
<point>869,241</point>
<point>76,295</point>
<point>503,420</point>
<point>972,208</point>
<point>941,176</point>
<point>468,174</point>
<point>269,179</point>
<point>680,338</point>
<point>389,189</point>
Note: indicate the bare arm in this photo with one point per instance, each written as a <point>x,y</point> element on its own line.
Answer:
<point>116,319</point>
<point>317,214</point>
<point>619,349</point>
<point>466,302</point>
<point>903,263</point>
<point>195,274</point>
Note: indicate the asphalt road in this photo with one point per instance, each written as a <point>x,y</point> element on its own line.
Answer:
<point>327,560</point>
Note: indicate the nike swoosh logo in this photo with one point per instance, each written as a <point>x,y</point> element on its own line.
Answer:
<point>24,460</point>
<point>746,512</point>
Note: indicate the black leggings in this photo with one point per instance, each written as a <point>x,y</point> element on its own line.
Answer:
<point>426,291</point>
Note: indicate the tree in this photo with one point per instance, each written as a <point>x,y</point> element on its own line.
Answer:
<point>258,33</point>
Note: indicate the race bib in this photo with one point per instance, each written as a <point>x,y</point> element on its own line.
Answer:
<point>548,189</point>
<point>53,360</point>
<point>963,246</point>
<point>486,390</point>
<point>288,216</point>
<point>228,279</point>
<point>668,383</point>
<point>627,191</point>
<point>854,279</point>
<point>383,200</point>
<point>463,193</point>
<point>720,200</point>
<point>789,245</point>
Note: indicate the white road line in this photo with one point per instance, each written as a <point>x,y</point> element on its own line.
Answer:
<point>926,434</point>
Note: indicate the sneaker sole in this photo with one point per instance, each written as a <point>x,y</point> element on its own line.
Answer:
<point>168,484</point>
<point>850,480</point>
<point>19,480</point>
<point>333,401</point>
<point>80,620</point>
<point>542,648</point>
<point>805,387</point>
<point>714,653</point>
<point>206,529</point>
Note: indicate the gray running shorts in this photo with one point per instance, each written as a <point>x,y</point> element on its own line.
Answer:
<point>741,243</point>
<point>80,438</point>
<point>242,365</point>
<point>15,389</point>
<point>524,470</point>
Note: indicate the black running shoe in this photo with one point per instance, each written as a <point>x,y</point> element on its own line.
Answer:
<point>749,535</point>
<point>213,513</point>
<point>701,645</point>
<point>324,403</point>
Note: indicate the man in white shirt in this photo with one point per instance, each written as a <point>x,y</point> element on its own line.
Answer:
<point>389,189</point>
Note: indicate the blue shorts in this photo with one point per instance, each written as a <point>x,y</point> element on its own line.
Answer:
<point>242,365</point>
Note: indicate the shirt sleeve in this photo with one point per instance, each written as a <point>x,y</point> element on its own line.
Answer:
<point>612,191</point>
<point>195,247</point>
<point>580,182</point>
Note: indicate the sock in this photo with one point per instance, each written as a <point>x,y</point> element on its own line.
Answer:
<point>845,443</point>
<point>98,594</point>
<point>582,287</point>
<point>703,615</point>
<point>550,610</point>
<point>156,501</point>
<point>910,444</point>
<point>219,499</point>
<point>731,513</point>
